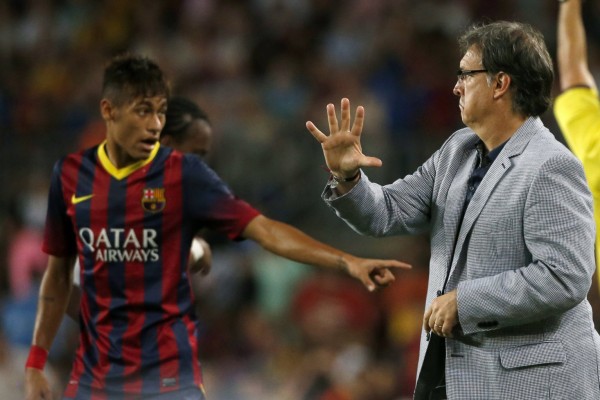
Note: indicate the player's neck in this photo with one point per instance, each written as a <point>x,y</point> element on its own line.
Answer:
<point>117,156</point>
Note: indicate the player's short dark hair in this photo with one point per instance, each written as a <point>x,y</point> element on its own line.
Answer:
<point>518,50</point>
<point>128,76</point>
<point>181,112</point>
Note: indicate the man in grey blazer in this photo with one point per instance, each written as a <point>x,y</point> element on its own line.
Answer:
<point>510,220</point>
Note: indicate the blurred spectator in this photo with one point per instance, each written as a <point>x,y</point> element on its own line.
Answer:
<point>11,378</point>
<point>338,325</point>
<point>26,261</point>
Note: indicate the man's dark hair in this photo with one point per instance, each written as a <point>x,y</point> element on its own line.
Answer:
<point>181,112</point>
<point>128,77</point>
<point>518,50</point>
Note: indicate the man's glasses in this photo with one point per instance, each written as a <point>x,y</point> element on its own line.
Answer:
<point>462,74</point>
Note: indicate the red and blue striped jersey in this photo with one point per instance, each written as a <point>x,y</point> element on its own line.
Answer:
<point>132,229</point>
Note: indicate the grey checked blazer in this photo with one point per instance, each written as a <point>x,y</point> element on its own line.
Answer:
<point>522,262</point>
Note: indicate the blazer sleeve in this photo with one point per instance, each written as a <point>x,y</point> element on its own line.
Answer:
<point>403,207</point>
<point>559,232</point>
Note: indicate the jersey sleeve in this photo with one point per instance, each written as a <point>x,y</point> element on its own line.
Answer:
<point>59,236</point>
<point>210,202</point>
<point>577,111</point>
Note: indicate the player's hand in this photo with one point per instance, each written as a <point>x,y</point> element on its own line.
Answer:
<point>342,148</point>
<point>200,257</point>
<point>36,385</point>
<point>373,273</point>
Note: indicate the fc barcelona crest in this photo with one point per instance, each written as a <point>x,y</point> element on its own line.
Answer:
<point>153,200</point>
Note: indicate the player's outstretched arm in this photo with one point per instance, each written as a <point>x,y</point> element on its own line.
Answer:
<point>52,303</point>
<point>342,148</point>
<point>286,241</point>
<point>572,47</point>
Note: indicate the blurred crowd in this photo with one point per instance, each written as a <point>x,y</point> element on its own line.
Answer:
<point>270,329</point>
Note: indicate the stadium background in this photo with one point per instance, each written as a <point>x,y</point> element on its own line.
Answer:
<point>271,329</point>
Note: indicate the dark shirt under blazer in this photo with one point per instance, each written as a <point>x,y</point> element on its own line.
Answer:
<point>523,262</point>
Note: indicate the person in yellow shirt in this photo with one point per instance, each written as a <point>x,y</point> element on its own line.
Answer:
<point>577,108</point>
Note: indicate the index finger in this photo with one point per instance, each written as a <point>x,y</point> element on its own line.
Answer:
<point>426,318</point>
<point>395,264</point>
<point>332,119</point>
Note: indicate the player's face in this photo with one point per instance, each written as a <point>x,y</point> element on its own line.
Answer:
<point>197,138</point>
<point>133,129</point>
<point>473,90</point>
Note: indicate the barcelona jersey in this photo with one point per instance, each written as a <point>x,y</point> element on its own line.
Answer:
<point>132,229</point>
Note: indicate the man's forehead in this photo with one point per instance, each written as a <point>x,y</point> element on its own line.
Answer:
<point>471,57</point>
<point>156,101</point>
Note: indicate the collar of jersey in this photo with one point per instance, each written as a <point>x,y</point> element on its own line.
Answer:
<point>120,173</point>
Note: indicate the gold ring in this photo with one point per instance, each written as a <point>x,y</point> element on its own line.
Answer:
<point>439,326</point>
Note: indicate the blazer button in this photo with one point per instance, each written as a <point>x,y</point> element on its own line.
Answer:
<point>487,324</point>
<point>439,293</point>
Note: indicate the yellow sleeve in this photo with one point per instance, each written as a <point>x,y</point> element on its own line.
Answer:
<point>577,112</point>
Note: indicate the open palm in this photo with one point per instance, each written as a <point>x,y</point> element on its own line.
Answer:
<point>342,148</point>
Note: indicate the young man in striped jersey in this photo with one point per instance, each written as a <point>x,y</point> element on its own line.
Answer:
<point>128,209</point>
<point>187,129</point>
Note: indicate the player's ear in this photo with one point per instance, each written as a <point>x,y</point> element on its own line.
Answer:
<point>107,110</point>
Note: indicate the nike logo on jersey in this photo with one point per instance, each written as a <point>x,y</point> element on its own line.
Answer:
<point>75,199</point>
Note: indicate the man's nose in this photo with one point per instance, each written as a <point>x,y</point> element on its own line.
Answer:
<point>156,124</point>
<point>457,88</point>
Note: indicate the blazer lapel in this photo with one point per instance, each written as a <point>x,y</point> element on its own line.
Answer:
<point>456,199</point>
<point>498,169</point>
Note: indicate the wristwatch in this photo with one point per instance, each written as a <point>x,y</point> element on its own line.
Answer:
<point>334,180</point>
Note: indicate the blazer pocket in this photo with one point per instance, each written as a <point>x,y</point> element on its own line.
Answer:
<point>498,225</point>
<point>533,354</point>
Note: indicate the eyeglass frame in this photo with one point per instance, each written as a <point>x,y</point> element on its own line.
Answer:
<point>462,74</point>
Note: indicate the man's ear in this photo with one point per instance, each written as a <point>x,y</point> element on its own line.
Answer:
<point>107,110</point>
<point>502,83</point>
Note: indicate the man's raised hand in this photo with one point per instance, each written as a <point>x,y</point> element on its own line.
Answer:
<point>342,148</point>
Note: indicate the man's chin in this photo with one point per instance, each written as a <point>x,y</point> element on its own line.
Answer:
<point>139,156</point>
<point>143,152</point>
